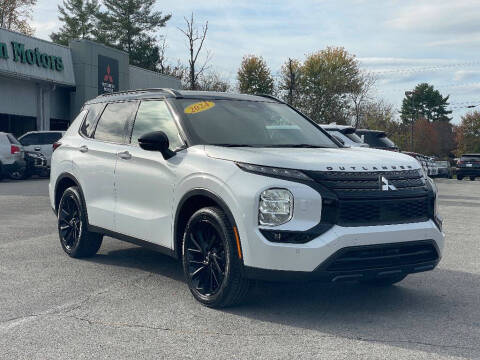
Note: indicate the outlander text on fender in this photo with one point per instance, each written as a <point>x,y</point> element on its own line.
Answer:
<point>239,188</point>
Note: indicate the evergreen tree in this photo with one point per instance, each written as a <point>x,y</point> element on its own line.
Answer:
<point>129,25</point>
<point>425,102</point>
<point>79,18</point>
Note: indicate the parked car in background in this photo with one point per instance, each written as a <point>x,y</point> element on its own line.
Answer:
<point>41,142</point>
<point>444,169</point>
<point>12,162</point>
<point>432,166</point>
<point>376,139</point>
<point>346,135</point>
<point>36,164</point>
<point>468,165</point>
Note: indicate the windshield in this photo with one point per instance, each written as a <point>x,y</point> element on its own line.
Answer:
<point>470,158</point>
<point>342,136</point>
<point>249,123</point>
<point>354,137</point>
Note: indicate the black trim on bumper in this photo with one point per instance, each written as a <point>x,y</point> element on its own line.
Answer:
<point>321,273</point>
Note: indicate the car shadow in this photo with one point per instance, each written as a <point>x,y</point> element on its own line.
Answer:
<point>434,312</point>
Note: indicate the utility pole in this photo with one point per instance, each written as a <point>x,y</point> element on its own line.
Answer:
<point>292,82</point>
<point>407,94</point>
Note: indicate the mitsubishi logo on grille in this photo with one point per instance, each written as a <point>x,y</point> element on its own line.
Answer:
<point>385,185</point>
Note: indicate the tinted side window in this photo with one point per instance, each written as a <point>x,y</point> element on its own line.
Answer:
<point>113,122</point>
<point>154,116</point>
<point>50,138</point>
<point>92,116</point>
<point>31,139</point>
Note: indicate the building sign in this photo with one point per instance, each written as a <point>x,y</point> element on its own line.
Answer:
<point>107,75</point>
<point>34,57</point>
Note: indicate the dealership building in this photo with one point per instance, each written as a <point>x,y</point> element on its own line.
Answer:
<point>43,85</point>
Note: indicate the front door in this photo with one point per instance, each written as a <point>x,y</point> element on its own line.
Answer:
<point>145,181</point>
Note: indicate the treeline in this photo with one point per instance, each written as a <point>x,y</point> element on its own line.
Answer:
<point>328,85</point>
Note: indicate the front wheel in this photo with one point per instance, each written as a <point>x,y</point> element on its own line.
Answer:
<point>75,238</point>
<point>459,177</point>
<point>212,262</point>
<point>472,178</point>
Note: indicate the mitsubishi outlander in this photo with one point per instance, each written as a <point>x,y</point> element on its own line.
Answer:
<point>240,188</point>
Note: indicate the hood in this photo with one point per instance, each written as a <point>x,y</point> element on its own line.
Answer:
<point>343,159</point>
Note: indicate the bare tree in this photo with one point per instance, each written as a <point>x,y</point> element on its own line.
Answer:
<point>290,81</point>
<point>361,95</point>
<point>196,40</point>
<point>15,14</point>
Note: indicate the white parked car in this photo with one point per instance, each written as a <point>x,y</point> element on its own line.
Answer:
<point>12,162</point>
<point>41,141</point>
<point>346,135</point>
<point>239,187</point>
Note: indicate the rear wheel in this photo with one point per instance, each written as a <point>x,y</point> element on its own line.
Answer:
<point>472,178</point>
<point>385,281</point>
<point>459,177</point>
<point>18,174</point>
<point>212,264</point>
<point>75,238</point>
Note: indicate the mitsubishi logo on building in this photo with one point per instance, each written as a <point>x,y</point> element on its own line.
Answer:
<point>385,185</point>
<point>107,75</point>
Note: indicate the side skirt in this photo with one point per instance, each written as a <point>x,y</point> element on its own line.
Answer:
<point>146,244</point>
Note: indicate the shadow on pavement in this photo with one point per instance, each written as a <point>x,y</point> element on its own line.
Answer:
<point>435,312</point>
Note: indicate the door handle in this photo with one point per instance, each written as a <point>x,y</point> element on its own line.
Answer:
<point>125,155</point>
<point>83,149</point>
<point>37,149</point>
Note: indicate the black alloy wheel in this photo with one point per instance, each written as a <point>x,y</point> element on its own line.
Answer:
<point>205,255</point>
<point>73,232</point>
<point>69,221</point>
<point>212,259</point>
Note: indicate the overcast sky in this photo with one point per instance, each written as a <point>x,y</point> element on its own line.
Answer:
<point>404,42</point>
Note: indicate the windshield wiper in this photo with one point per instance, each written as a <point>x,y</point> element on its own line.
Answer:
<point>297,146</point>
<point>233,145</point>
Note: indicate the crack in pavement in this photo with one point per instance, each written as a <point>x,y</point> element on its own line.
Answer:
<point>236,334</point>
<point>66,308</point>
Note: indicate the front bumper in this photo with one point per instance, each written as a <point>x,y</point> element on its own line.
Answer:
<point>269,261</point>
<point>360,263</point>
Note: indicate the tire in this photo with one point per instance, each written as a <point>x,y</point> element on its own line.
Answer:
<point>19,174</point>
<point>1,171</point>
<point>73,232</point>
<point>472,178</point>
<point>212,265</point>
<point>386,281</point>
<point>459,177</point>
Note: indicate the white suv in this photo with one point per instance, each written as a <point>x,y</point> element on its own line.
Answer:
<point>239,187</point>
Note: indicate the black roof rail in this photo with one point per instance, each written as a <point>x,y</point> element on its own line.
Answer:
<point>167,90</point>
<point>271,97</point>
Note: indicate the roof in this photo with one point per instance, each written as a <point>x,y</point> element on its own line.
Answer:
<point>470,154</point>
<point>178,94</point>
<point>360,131</point>
<point>336,127</point>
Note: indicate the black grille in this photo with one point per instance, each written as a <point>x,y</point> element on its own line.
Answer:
<point>383,256</point>
<point>351,185</point>
<point>352,213</point>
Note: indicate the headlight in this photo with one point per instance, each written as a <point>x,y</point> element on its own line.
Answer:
<point>272,171</point>
<point>275,208</point>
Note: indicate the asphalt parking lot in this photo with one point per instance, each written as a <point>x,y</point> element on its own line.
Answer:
<point>128,302</point>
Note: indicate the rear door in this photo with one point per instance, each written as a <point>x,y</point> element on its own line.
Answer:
<point>97,158</point>
<point>145,180</point>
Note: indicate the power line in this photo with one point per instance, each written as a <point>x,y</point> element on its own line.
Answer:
<point>426,68</point>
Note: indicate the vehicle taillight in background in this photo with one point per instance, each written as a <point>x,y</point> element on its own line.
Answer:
<point>14,149</point>
<point>56,145</point>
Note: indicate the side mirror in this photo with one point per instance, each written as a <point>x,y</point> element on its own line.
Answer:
<point>156,141</point>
